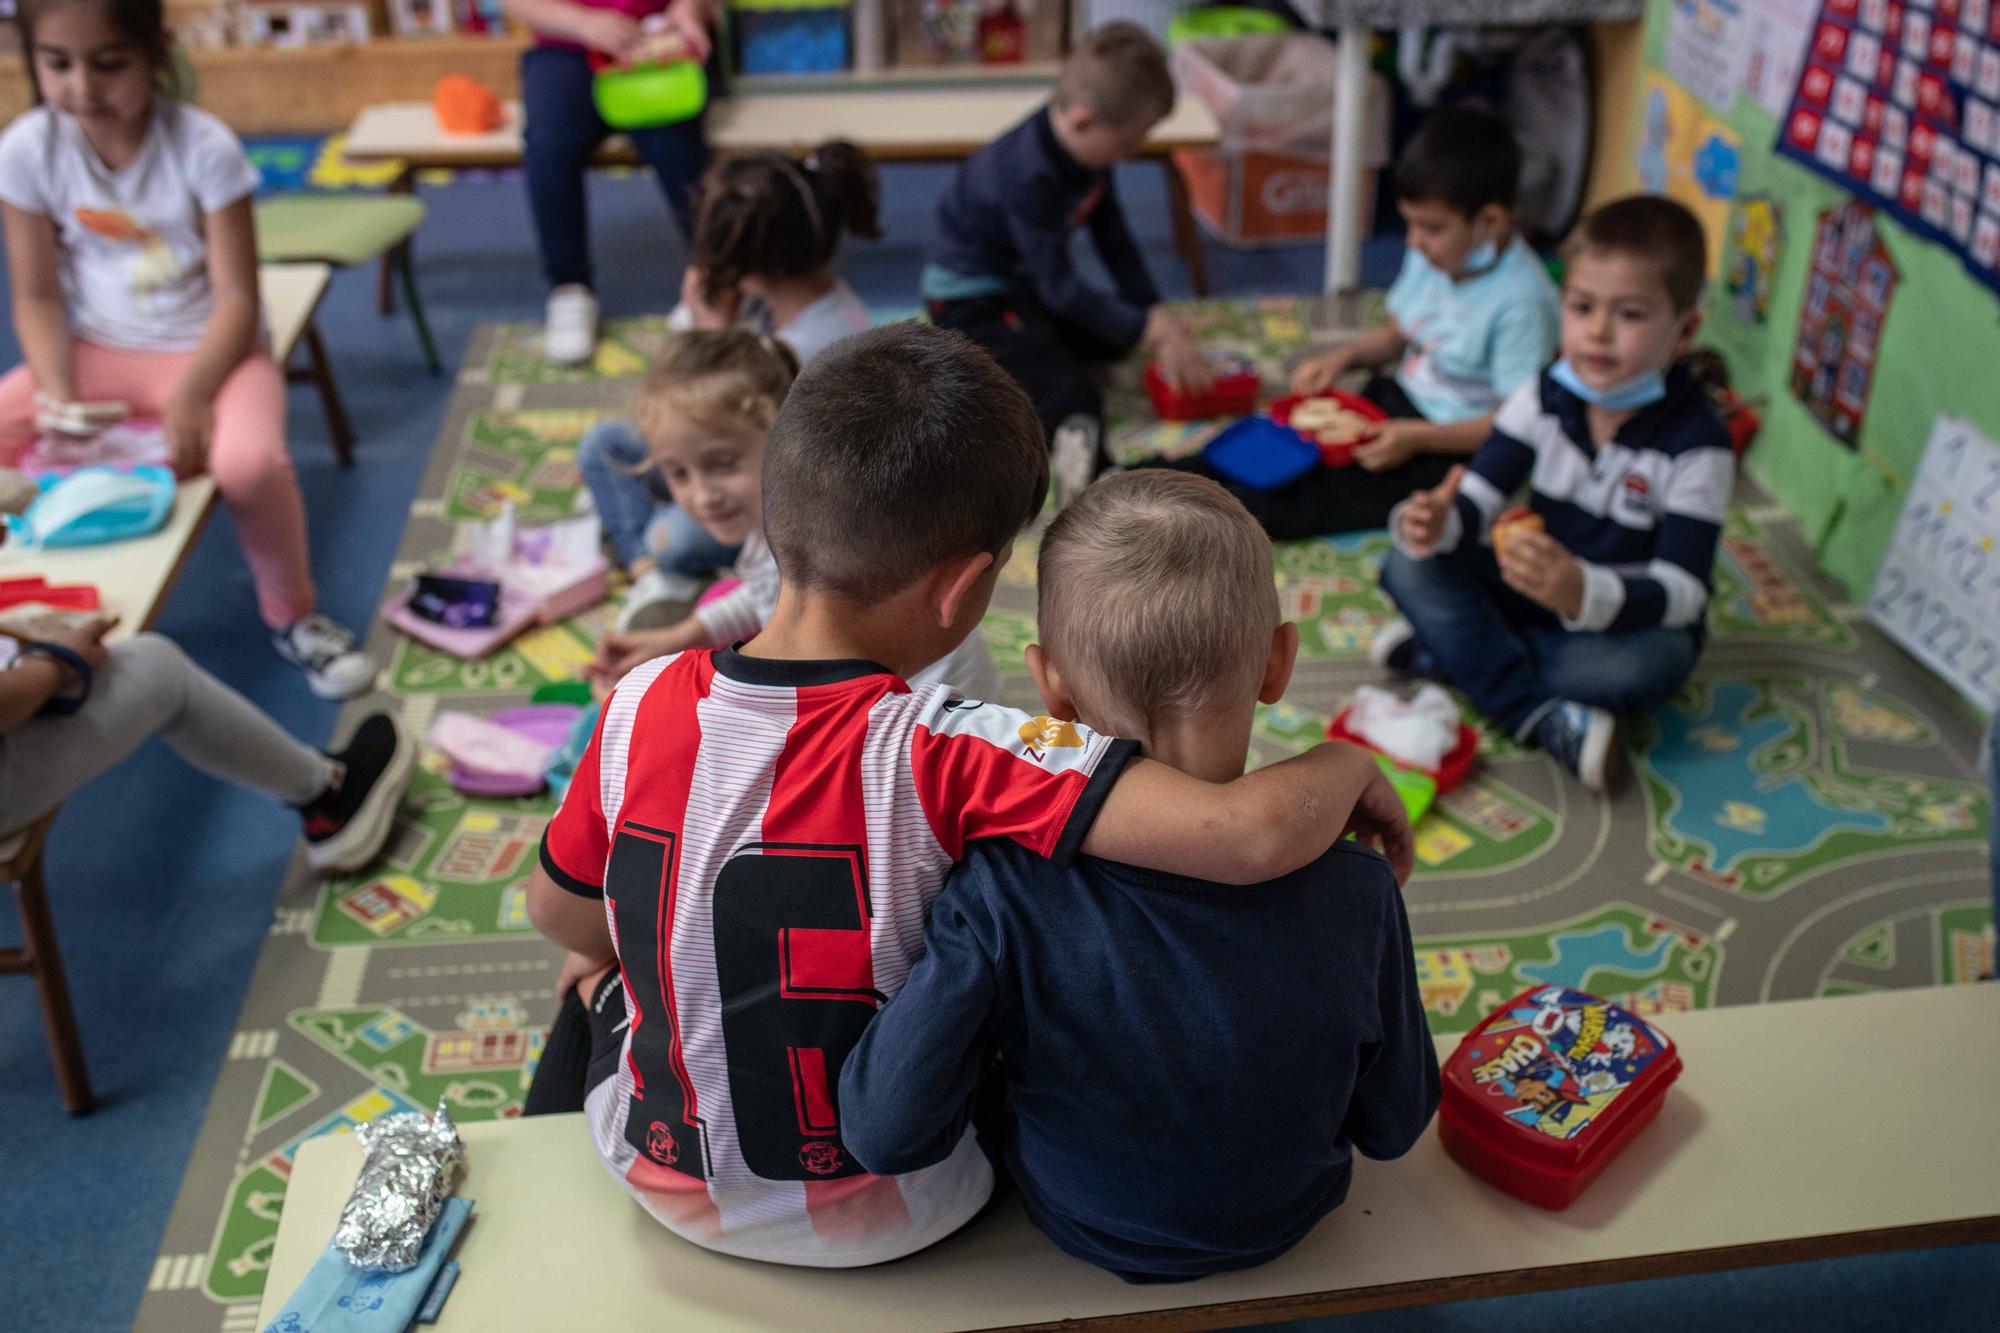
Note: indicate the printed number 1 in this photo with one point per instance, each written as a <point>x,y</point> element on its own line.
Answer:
<point>795,999</point>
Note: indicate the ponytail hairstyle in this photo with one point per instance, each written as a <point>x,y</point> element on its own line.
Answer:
<point>140,22</point>
<point>728,381</point>
<point>770,215</point>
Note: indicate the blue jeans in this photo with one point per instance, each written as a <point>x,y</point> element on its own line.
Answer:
<point>1513,658</point>
<point>561,130</point>
<point>632,504</point>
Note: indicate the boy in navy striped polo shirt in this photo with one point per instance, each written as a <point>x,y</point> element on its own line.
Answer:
<point>1593,605</point>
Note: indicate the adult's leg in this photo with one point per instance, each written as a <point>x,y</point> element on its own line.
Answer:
<point>252,468</point>
<point>1469,620</point>
<point>614,462</point>
<point>1630,671</point>
<point>561,128</point>
<point>1027,344</point>
<point>678,154</point>
<point>147,686</point>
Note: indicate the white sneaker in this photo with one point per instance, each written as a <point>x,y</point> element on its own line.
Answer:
<point>1074,456</point>
<point>325,651</point>
<point>569,329</point>
<point>658,598</point>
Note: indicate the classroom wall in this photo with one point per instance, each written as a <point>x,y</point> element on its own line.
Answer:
<point>1940,342</point>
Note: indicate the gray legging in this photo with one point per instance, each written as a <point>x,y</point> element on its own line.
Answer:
<point>149,687</point>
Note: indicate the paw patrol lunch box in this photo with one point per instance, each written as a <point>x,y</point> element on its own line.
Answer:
<point>1549,1088</point>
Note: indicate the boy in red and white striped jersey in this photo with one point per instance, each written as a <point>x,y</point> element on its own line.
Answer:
<point>757,833</point>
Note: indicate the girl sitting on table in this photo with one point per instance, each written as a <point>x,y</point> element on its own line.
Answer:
<point>132,257</point>
<point>72,706</point>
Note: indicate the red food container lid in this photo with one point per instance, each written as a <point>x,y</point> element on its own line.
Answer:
<point>1449,773</point>
<point>1341,452</point>
<point>1544,1093</point>
<point>1233,394</point>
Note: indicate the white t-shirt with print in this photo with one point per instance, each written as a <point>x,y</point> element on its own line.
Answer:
<point>131,242</point>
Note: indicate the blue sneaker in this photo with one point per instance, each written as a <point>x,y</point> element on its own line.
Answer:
<point>1581,738</point>
<point>1395,648</point>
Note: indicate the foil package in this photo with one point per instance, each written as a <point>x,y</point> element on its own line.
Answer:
<point>404,1182</point>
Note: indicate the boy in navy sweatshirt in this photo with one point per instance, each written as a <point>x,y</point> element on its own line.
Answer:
<point>1592,602</point>
<point>999,268</point>
<point>1188,1070</point>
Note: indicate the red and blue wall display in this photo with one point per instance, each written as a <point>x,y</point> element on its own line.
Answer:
<point>1898,101</point>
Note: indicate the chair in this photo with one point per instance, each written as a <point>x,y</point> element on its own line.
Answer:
<point>21,866</point>
<point>345,230</point>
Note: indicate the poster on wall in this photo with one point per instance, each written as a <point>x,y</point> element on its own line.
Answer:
<point>1938,590</point>
<point>1706,48</point>
<point>1751,255</point>
<point>1899,103</point>
<point>1848,292</point>
<point>1774,35</point>
<point>1689,155</point>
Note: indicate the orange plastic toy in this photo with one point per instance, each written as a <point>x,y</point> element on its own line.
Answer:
<point>465,106</point>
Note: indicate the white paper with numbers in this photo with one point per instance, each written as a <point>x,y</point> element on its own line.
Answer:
<point>1938,590</point>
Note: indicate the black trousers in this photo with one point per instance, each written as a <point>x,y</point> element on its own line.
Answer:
<point>581,1050</point>
<point>1050,358</point>
<point>1334,499</point>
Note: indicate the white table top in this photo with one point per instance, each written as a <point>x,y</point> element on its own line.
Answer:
<point>889,123</point>
<point>1825,1119</point>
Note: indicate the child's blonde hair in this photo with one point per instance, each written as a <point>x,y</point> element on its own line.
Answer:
<point>1157,593</point>
<point>729,381</point>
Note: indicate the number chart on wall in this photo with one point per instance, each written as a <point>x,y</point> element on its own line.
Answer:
<point>1938,591</point>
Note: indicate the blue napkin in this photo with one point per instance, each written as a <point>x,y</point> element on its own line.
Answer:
<point>337,1297</point>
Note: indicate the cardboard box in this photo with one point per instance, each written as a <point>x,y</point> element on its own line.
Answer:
<point>1259,198</point>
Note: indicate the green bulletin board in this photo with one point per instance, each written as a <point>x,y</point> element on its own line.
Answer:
<point>1939,341</point>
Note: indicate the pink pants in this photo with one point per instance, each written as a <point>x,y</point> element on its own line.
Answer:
<point>247,456</point>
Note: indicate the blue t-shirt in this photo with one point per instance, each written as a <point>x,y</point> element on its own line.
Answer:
<point>1188,1067</point>
<point>1472,343</point>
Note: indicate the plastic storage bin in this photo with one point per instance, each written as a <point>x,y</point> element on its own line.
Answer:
<point>791,36</point>
<point>1549,1088</point>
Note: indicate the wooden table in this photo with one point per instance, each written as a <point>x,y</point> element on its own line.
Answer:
<point>892,124</point>
<point>1813,1129</point>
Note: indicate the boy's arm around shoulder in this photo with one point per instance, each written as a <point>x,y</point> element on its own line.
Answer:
<point>906,1089</point>
<point>1256,828</point>
<point>1396,1090</point>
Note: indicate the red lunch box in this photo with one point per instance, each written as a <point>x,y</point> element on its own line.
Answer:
<point>1449,773</point>
<point>1336,453</point>
<point>1233,394</point>
<point>1549,1088</point>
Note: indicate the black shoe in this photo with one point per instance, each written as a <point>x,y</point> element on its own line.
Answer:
<point>346,824</point>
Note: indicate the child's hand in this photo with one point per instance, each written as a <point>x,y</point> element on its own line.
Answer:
<point>578,969</point>
<point>1423,518</point>
<point>1393,444</point>
<point>1317,374</point>
<point>717,314</point>
<point>1179,356</point>
<point>616,35</point>
<point>189,424</point>
<point>1537,566</point>
<point>618,653</point>
<point>689,19</point>
<point>85,640</point>
<point>1381,820</point>
<point>56,415</point>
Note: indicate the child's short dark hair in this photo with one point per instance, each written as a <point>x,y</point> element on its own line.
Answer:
<point>775,216</point>
<point>141,22</point>
<point>1120,73</point>
<point>897,450</point>
<point>1464,157</point>
<point>1652,227</point>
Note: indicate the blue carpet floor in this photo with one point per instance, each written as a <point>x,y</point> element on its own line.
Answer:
<point>163,881</point>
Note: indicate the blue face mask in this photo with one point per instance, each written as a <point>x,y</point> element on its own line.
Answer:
<point>1484,256</point>
<point>1640,391</point>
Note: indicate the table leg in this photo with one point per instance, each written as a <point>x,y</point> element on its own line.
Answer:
<point>1187,235</point>
<point>319,369</point>
<point>1343,205</point>
<point>385,287</point>
<point>39,956</point>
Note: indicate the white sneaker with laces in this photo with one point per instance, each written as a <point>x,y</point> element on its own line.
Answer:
<point>1074,456</point>
<point>658,598</point>
<point>325,652</point>
<point>569,328</point>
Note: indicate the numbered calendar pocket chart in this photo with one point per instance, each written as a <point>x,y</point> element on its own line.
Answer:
<point>1898,101</point>
<point>1938,591</point>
